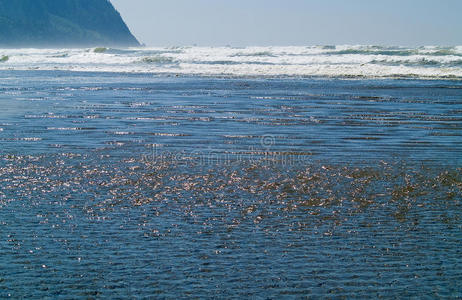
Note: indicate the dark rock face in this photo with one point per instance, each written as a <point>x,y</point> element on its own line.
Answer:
<point>62,23</point>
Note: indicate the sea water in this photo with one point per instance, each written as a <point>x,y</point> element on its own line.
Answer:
<point>254,172</point>
<point>330,61</point>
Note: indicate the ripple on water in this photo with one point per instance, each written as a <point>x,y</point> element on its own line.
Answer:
<point>148,186</point>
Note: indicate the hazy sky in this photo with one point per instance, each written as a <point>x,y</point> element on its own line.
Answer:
<point>293,22</point>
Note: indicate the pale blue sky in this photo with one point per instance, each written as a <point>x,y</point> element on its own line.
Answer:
<point>293,22</point>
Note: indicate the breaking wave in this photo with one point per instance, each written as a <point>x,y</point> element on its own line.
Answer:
<point>326,61</point>
<point>158,60</point>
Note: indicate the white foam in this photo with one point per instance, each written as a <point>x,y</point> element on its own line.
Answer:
<point>335,61</point>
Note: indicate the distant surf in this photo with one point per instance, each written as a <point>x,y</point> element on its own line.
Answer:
<point>430,62</point>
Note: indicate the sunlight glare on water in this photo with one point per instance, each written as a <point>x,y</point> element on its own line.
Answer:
<point>147,185</point>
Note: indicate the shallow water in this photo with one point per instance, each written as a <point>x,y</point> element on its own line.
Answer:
<point>116,185</point>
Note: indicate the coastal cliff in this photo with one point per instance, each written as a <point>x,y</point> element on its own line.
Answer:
<point>62,23</point>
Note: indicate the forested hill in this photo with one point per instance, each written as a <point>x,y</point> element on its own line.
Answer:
<point>62,23</point>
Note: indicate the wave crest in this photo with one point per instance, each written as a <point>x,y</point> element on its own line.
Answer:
<point>330,61</point>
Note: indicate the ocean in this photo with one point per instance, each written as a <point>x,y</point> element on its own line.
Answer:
<point>258,172</point>
<point>323,61</point>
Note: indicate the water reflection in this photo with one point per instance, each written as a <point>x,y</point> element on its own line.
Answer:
<point>116,186</point>
<point>259,189</point>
